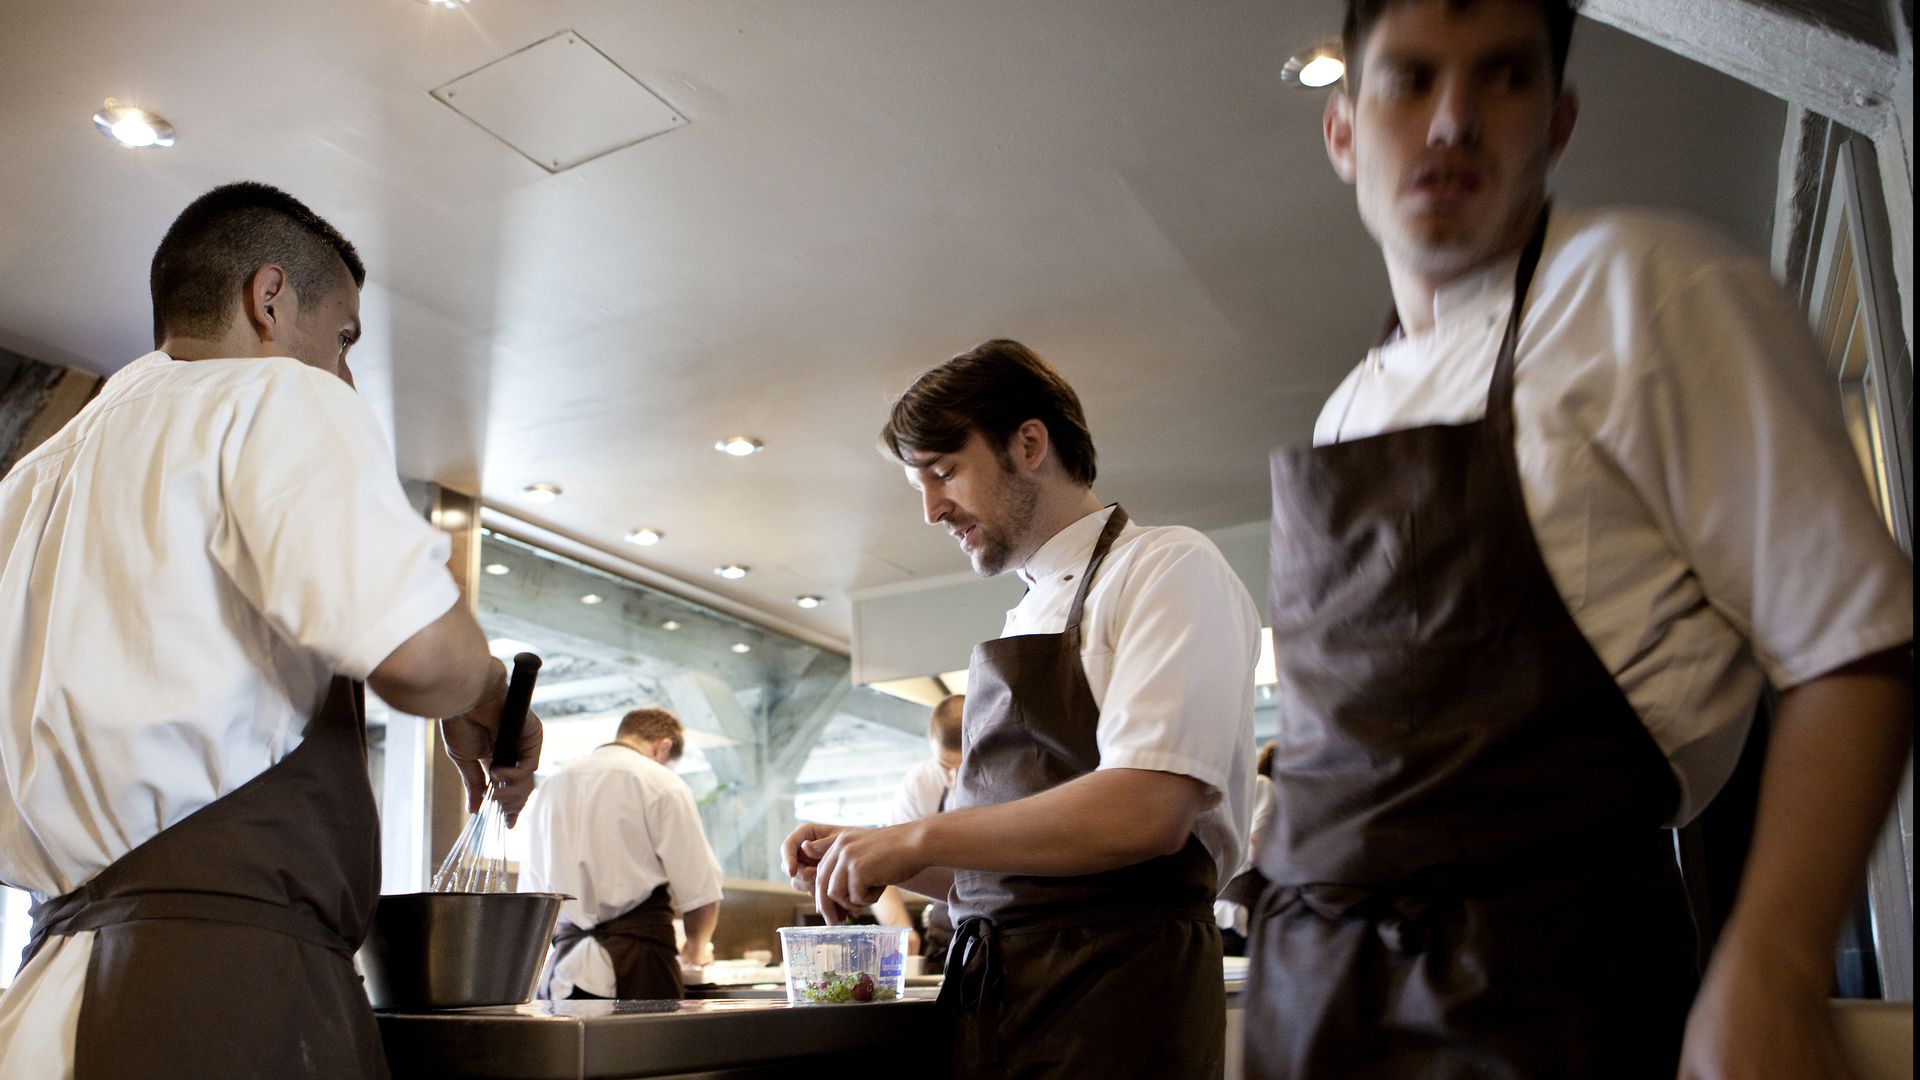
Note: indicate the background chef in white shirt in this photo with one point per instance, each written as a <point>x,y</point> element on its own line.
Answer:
<point>923,793</point>
<point>1104,793</point>
<point>1682,468</point>
<point>190,572</point>
<point>618,830</point>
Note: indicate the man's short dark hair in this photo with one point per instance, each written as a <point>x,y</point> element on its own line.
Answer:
<point>211,250</point>
<point>648,725</point>
<point>1363,14</point>
<point>992,389</point>
<point>944,725</point>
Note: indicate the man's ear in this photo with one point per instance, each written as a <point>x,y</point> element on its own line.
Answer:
<point>1336,127</point>
<point>1566,111</point>
<point>1030,445</point>
<point>265,302</point>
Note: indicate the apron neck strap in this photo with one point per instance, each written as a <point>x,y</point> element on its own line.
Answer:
<point>1115,522</point>
<point>1500,391</point>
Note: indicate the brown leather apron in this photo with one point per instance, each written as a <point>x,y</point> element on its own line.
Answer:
<point>1468,872</point>
<point>646,962</point>
<point>223,946</point>
<point>1115,974</point>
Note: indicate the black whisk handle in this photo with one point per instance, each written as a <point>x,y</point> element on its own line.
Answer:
<point>513,712</point>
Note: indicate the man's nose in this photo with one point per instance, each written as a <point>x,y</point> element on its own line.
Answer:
<point>934,506</point>
<point>1456,114</point>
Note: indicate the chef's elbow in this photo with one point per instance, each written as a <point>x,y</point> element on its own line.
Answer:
<point>1171,806</point>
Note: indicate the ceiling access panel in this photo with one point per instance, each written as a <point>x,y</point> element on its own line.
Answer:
<point>560,102</point>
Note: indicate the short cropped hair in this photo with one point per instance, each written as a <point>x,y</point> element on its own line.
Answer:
<point>1363,14</point>
<point>1264,763</point>
<point>944,725</point>
<point>647,725</point>
<point>211,251</point>
<point>992,389</point>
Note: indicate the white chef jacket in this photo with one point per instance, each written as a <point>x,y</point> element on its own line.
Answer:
<point>1683,463</point>
<point>1169,640</point>
<point>1227,914</point>
<point>920,793</point>
<point>183,569</point>
<point>607,830</point>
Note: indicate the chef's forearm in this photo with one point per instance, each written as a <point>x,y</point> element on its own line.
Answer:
<point>1101,821</point>
<point>1838,749</point>
<point>699,924</point>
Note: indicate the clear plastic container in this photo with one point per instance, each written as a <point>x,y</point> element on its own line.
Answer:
<point>828,965</point>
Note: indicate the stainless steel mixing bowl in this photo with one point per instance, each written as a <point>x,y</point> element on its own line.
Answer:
<point>455,950</point>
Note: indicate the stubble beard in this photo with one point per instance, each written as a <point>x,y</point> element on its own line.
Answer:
<point>1012,512</point>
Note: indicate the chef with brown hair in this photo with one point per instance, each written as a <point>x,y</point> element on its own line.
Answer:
<point>1103,791</point>
<point>196,575</point>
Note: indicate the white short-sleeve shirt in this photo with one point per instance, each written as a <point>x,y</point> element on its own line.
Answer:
<point>920,793</point>
<point>608,830</point>
<point>1170,639</point>
<point>1683,463</point>
<point>183,569</point>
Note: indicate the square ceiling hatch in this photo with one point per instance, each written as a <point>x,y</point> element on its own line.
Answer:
<point>560,102</point>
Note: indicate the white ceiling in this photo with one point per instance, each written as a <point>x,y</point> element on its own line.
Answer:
<point>863,188</point>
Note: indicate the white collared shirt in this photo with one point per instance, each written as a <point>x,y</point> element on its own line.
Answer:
<point>1169,640</point>
<point>921,792</point>
<point>1684,467</point>
<point>183,569</point>
<point>607,830</point>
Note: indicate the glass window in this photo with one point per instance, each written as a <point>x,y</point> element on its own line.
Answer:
<point>775,729</point>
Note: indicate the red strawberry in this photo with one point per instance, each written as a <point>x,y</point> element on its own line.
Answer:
<point>863,990</point>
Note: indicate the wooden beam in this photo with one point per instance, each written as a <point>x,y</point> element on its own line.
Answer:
<point>1833,75</point>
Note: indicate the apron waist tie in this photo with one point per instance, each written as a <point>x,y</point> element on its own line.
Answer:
<point>972,985</point>
<point>1400,919</point>
<point>76,912</point>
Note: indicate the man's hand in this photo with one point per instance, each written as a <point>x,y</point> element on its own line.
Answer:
<point>696,954</point>
<point>855,866</point>
<point>468,738</point>
<point>1760,1015</point>
<point>796,861</point>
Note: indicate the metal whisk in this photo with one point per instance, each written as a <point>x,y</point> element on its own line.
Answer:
<point>477,862</point>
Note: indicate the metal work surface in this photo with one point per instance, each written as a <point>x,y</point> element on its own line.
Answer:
<point>618,1040</point>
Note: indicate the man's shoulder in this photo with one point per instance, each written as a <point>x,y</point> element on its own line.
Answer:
<point>1650,244</point>
<point>1166,543</point>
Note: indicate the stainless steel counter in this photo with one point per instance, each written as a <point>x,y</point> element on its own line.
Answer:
<point>625,1040</point>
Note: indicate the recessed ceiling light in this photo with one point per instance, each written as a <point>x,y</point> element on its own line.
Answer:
<point>132,126</point>
<point>807,601</point>
<point>446,3</point>
<point>541,493</point>
<point>1317,67</point>
<point>741,647</point>
<point>670,624</point>
<point>732,571</point>
<point>645,537</point>
<point>740,446</point>
<point>498,568</point>
<point>591,598</point>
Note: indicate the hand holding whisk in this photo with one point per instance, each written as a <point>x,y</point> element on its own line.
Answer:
<point>477,861</point>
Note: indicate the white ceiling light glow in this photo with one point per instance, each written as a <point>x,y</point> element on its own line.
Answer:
<point>498,568</point>
<point>741,647</point>
<point>645,537</point>
<point>1318,67</point>
<point>132,126</point>
<point>670,624</point>
<point>591,598</point>
<point>541,493</point>
<point>445,3</point>
<point>740,446</point>
<point>807,601</point>
<point>732,571</point>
